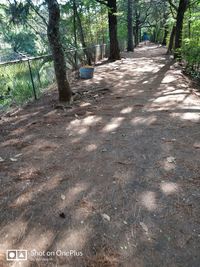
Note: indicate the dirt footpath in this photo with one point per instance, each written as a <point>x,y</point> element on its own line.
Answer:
<point>114,178</point>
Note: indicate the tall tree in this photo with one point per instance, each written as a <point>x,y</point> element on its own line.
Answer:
<point>183,5</point>
<point>112,24</point>
<point>171,40</point>
<point>173,11</point>
<point>53,33</point>
<point>165,17</point>
<point>130,46</point>
<point>81,33</point>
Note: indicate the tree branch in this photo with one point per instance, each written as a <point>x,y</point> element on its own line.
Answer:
<point>102,2</point>
<point>172,12</point>
<point>37,12</point>
<point>172,5</point>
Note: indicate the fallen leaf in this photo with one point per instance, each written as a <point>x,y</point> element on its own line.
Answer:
<point>1,159</point>
<point>105,217</point>
<point>171,159</point>
<point>18,155</point>
<point>144,227</point>
<point>13,159</point>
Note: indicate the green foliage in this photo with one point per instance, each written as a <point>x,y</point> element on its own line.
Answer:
<point>15,80</point>
<point>191,43</point>
<point>22,41</point>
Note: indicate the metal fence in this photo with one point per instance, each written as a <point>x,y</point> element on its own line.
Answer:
<point>24,79</point>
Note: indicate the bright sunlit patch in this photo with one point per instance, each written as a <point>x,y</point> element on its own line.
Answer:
<point>168,79</point>
<point>72,194</point>
<point>38,238</point>
<point>81,126</point>
<point>148,200</point>
<point>23,199</point>
<point>192,116</point>
<point>91,120</point>
<point>91,147</point>
<point>168,166</point>
<point>169,188</point>
<point>83,130</point>
<point>146,68</point>
<point>126,110</point>
<point>73,239</point>
<point>144,120</point>
<point>113,124</point>
<point>85,104</point>
<point>12,231</point>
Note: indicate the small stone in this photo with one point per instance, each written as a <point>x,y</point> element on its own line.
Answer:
<point>62,197</point>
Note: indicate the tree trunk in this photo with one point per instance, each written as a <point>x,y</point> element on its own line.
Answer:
<point>165,24</point>
<point>82,38</point>
<point>164,41</point>
<point>53,33</point>
<point>137,30</point>
<point>140,34</point>
<point>75,36</point>
<point>183,5</point>
<point>112,21</point>
<point>130,46</point>
<point>171,40</point>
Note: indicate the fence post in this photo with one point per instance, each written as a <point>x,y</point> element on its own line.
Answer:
<point>31,75</point>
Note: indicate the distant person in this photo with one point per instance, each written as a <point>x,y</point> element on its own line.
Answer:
<point>145,38</point>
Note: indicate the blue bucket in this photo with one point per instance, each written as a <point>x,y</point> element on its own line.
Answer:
<point>86,73</point>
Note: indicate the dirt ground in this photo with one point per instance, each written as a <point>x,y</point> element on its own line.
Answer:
<point>115,177</point>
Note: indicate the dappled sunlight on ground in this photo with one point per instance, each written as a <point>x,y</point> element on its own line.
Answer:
<point>144,120</point>
<point>113,124</point>
<point>148,200</point>
<point>169,188</point>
